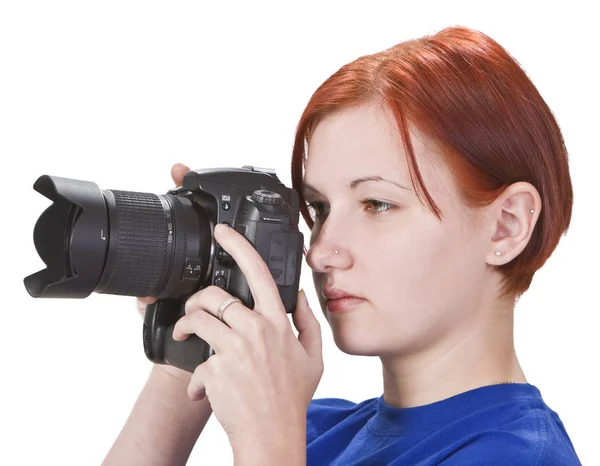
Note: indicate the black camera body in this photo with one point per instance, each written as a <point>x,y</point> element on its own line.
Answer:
<point>266,213</point>
<point>143,244</point>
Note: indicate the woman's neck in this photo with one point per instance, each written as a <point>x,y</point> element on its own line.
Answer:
<point>482,355</point>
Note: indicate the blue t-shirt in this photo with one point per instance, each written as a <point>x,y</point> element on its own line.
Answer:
<point>495,425</point>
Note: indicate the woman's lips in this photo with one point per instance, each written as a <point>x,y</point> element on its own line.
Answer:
<point>343,304</point>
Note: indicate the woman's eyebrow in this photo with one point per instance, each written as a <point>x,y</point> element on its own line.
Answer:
<point>306,187</point>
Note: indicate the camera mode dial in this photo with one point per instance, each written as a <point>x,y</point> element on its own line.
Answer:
<point>263,196</point>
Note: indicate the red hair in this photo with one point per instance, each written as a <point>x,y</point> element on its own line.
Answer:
<point>493,128</point>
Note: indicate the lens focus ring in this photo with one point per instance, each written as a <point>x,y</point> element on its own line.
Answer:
<point>140,221</point>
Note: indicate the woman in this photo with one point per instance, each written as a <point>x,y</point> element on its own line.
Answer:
<point>435,182</point>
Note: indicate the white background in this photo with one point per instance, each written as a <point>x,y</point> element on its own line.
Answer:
<point>115,92</point>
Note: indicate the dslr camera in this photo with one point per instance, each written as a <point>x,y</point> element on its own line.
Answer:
<point>142,244</point>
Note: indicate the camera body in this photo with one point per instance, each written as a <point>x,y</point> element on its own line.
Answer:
<point>257,205</point>
<point>143,244</point>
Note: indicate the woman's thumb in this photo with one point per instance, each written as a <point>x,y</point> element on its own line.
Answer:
<point>309,329</point>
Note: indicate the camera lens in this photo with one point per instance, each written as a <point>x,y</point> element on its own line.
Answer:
<point>117,242</point>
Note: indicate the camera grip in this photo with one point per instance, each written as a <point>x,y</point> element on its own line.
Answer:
<point>159,346</point>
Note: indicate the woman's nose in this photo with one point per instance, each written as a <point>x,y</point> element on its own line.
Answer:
<point>326,252</point>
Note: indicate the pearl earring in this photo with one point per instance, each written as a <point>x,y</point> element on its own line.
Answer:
<point>336,251</point>
<point>498,253</point>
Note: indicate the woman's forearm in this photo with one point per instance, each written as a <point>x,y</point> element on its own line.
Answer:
<point>163,426</point>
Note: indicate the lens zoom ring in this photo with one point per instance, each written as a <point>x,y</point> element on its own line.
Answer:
<point>142,244</point>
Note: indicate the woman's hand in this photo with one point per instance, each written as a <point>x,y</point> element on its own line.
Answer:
<point>177,172</point>
<point>261,378</point>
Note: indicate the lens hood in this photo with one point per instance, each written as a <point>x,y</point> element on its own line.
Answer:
<point>71,237</point>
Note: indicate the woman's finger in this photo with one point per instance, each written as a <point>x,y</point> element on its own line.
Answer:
<point>196,388</point>
<point>208,327</point>
<point>142,303</point>
<point>177,173</point>
<point>255,270</point>
<point>209,299</point>
<point>147,300</point>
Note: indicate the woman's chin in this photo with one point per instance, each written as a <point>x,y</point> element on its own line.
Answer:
<point>354,344</point>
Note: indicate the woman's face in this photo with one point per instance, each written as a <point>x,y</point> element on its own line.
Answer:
<point>421,279</point>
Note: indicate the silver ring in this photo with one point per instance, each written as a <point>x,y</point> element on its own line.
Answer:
<point>226,303</point>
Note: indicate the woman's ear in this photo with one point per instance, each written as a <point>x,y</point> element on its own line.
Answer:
<point>513,217</point>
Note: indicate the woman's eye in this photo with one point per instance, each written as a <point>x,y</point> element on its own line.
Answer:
<point>316,208</point>
<point>374,207</point>
<point>379,207</point>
